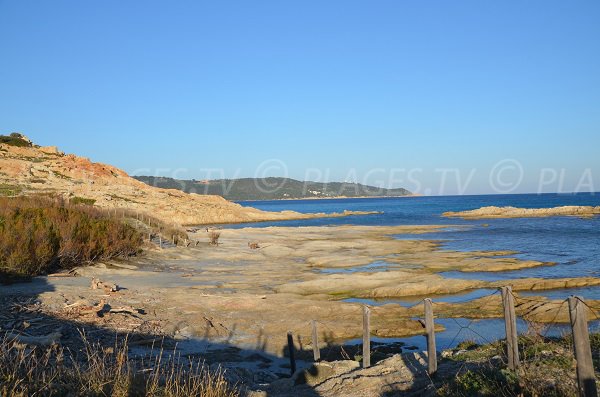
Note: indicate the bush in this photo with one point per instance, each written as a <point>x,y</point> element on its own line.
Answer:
<point>213,237</point>
<point>39,234</point>
<point>82,200</point>
<point>10,190</point>
<point>14,139</point>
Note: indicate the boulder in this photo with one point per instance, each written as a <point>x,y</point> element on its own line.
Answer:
<point>321,371</point>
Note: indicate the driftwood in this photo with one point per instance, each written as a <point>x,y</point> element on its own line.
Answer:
<point>99,309</point>
<point>97,284</point>
<point>125,309</point>
<point>78,303</point>
<point>45,340</point>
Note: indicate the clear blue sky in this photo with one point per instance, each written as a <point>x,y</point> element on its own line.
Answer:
<point>344,87</point>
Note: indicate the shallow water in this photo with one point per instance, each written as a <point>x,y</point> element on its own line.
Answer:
<point>414,300</point>
<point>377,266</point>
<point>572,244</point>
<point>480,331</point>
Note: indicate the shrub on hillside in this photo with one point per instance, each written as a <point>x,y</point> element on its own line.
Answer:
<point>10,190</point>
<point>15,139</point>
<point>82,200</point>
<point>38,235</point>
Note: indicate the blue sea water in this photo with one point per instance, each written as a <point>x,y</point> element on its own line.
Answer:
<point>571,243</point>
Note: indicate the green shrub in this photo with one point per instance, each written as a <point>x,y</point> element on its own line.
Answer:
<point>14,140</point>
<point>482,382</point>
<point>38,235</point>
<point>10,190</point>
<point>467,344</point>
<point>82,200</point>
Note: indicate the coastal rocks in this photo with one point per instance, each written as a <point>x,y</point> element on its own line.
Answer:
<point>514,212</point>
<point>319,372</point>
<point>53,150</point>
<point>540,284</point>
<point>406,373</point>
<point>379,285</point>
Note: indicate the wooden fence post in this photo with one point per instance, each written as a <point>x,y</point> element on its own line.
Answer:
<point>366,337</point>
<point>430,329</point>
<point>290,340</point>
<point>315,342</point>
<point>510,324</point>
<point>586,378</point>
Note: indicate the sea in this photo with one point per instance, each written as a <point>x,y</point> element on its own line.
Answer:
<point>572,244</point>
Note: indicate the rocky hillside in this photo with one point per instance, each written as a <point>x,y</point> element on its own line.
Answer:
<point>26,168</point>
<point>272,188</point>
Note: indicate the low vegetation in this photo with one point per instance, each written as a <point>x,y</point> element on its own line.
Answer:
<point>10,190</point>
<point>42,234</point>
<point>547,368</point>
<point>213,237</point>
<point>15,139</point>
<point>100,371</point>
<point>82,200</point>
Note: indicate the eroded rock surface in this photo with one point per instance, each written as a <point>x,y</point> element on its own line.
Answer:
<point>514,212</point>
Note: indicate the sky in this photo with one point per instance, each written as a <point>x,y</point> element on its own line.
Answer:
<point>440,97</point>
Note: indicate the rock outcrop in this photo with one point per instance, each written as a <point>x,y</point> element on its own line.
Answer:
<point>514,212</point>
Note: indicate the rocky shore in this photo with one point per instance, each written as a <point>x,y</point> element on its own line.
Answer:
<point>234,303</point>
<point>492,212</point>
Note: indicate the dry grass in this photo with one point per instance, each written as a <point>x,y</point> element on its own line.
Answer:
<point>213,237</point>
<point>98,371</point>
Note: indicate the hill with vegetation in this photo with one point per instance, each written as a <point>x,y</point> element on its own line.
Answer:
<point>27,169</point>
<point>271,188</point>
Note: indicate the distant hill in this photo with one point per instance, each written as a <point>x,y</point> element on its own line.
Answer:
<point>271,188</point>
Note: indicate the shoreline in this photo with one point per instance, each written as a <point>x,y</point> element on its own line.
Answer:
<point>493,212</point>
<point>294,217</point>
<point>243,288</point>
<point>234,304</point>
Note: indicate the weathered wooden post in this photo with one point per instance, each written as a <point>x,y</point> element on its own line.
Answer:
<point>315,342</point>
<point>586,378</point>
<point>510,324</point>
<point>430,329</point>
<point>366,337</point>
<point>290,341</point>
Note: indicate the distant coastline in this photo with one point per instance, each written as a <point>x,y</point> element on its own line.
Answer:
<point>273,188</point>
<point>331,198</point>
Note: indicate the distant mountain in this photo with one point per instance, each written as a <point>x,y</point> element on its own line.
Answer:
<point>271,188</point>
